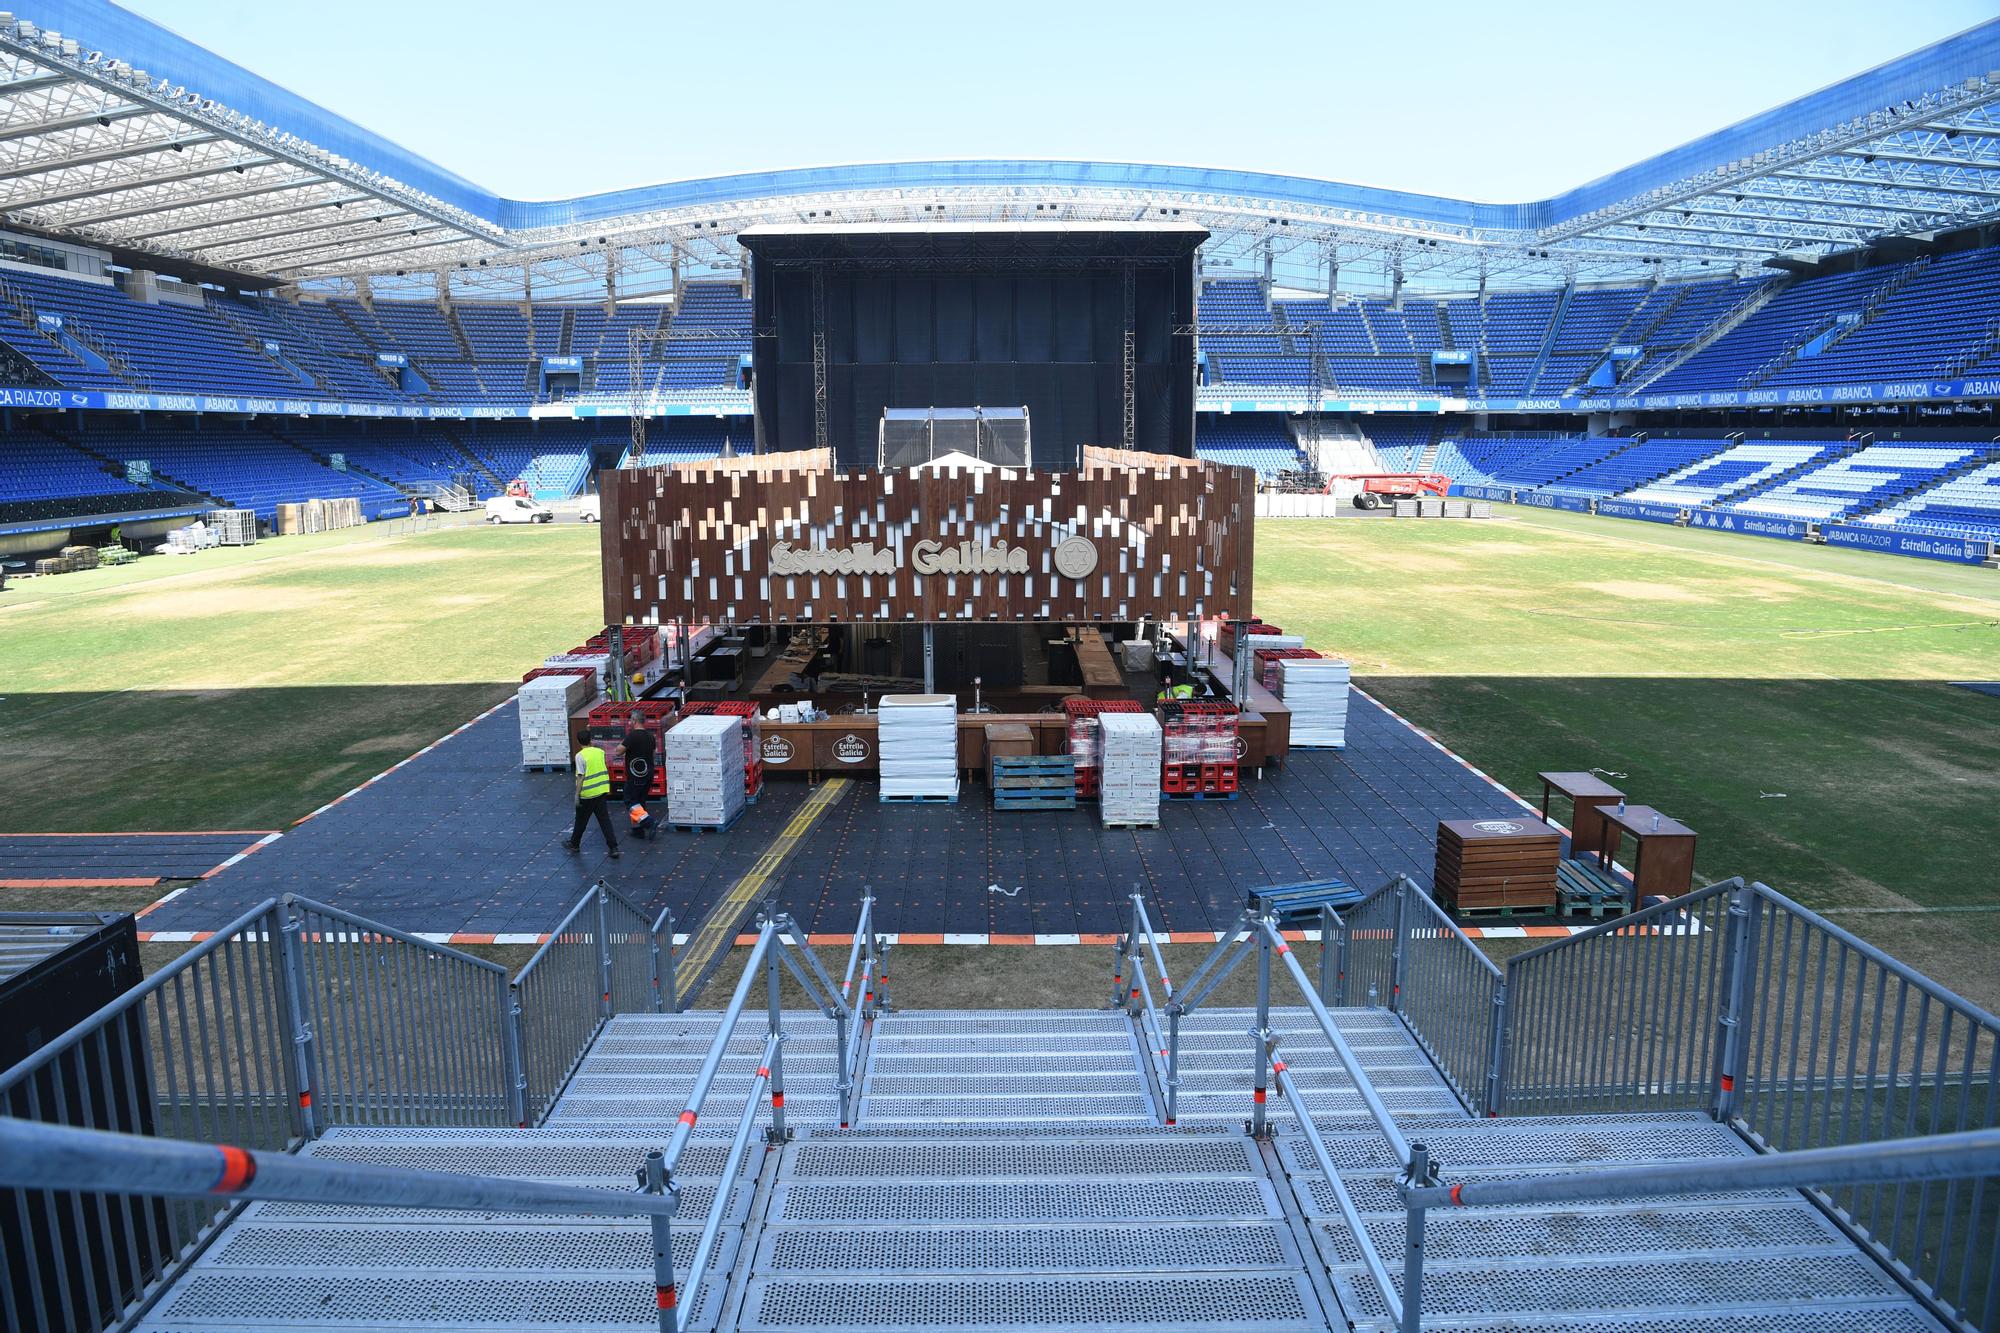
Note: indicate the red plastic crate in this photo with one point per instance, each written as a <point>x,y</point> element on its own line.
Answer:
<point>609,722</point>
<point>1082,717</point>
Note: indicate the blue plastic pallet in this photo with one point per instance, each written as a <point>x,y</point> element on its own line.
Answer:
<point>710,828</point>
<point>1199,795</point>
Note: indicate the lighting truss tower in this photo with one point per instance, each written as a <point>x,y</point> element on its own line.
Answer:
<point>638,393</point>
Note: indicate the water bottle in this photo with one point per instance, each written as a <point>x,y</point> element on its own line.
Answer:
<point>1656,821</point>
<point>1621,805</point>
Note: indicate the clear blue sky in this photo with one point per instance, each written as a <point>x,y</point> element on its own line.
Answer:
<point>1500,101</point>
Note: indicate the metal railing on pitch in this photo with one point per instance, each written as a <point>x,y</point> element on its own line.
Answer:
<point>1260,934</point>
<point>1739,1002</point>
<point>293,1017</point>
<point>603,958</point>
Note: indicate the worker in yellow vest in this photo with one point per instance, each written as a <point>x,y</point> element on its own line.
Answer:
<point>593,793</point>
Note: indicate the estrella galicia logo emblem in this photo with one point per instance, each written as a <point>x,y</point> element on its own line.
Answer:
<point>1242,748</point>
<point>850,749</point>
<point>1075,557</point>
<point>1500,827</point>
<point>777,750</point>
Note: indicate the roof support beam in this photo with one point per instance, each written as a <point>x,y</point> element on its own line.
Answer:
<point>1865,153</point>
<point>33,83</point>
<point>160,209</point>
<point>121,187</point>
<point>295,229</point>
<point>144,148</point>
<point>367,238</point>
<point>1872,182</point>
<point>331,260</point>
<point>83,120</point>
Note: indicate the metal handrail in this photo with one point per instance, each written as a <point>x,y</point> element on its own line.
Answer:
<point>1890,1161</point>
<point>39,1156</point>
<point>1136,998</point>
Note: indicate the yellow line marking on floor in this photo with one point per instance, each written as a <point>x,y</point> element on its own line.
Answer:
<point>718,929</point>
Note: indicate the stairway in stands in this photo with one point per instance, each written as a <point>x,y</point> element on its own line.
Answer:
<point>1008,1171</point>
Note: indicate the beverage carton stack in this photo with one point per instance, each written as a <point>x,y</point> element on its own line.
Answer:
<point>1129,746</point>
<point>1315,689</point>
<point>704,764</point>
<point>753,737</point>
<point>917,740</point>
<point>546,704</point>
<point>1267,660</point>
<point>1082,715</point>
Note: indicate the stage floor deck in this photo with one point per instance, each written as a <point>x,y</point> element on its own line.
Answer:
<point>459,841</point>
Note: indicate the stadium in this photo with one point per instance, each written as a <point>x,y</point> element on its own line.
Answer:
<point>995,743</point>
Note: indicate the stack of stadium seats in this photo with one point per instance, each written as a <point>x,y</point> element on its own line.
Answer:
<point>1735,469</point>
<point>1878,473</point>
<point>1967,505</point>
<point>1256,440</point>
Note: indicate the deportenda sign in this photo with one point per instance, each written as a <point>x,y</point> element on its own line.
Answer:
<point>1632,509</point>
<point>1753,525</point>
<point>1894,541</point>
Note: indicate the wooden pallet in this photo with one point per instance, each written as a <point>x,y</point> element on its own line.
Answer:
<point>1584,890</point>
<point>1033,801</point>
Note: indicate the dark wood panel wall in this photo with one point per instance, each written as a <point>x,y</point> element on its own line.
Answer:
<point>1111,541</point>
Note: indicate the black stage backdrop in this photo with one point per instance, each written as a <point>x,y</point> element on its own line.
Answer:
<point>982,315</point>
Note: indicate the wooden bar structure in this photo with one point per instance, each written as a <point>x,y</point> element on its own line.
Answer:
<point>1662,853</point>
<point>1588,794</point>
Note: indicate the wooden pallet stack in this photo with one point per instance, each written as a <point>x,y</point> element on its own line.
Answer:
<point>1497,867</point>
<point>1034,782</point>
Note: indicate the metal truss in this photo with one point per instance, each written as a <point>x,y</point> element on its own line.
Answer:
<point>94,150</point>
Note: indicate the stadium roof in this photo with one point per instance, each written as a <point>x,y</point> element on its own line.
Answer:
<point>118,133</point>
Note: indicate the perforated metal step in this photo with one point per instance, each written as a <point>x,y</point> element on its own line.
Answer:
<point>1206,1156</point>
<point>1164,1303</point>
<point>1065,1247</point>
<point>1138,1200</point>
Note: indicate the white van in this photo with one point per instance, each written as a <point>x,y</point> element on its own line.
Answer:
<point>516,509</point>
<point>590,509</point>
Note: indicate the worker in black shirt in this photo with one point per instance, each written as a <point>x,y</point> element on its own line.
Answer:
<point>641,755</point>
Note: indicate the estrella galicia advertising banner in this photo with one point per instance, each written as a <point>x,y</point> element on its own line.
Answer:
<point>1896,541</point>
<point>1633,509</point>
<point>1575,504</point>
<point>1754,525</point>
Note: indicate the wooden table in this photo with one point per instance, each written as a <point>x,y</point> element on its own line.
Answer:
<point>1497,865</point>
<point>1662,855</point>
<point>1587,793</point>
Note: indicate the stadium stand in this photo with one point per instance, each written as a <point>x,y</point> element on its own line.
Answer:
<point>1873,476</point>
<point>1503,459</point>
<point>1634,466</point>
<point>1402,444</point>
<point>1965,505</point>
<point>1734,470</point>
<point>1259,441</point>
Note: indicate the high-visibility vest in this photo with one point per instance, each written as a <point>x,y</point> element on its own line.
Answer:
<point>1176,692</point>
<point>593,773</point>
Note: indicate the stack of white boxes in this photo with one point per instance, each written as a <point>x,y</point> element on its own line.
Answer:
<point>1315,689</point>
<point>705,770</point>
<point>599,664</point>
<point>546,704</point>
<point>1129,753</point>
<point>917,740</point>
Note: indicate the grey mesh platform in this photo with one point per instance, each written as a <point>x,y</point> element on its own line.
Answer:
<point>1008,1171</point>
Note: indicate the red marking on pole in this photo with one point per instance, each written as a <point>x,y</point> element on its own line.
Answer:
<point>763,1071</point>
<point>777,1099</point>
<point>1277,1066</point>
<point>305,1101</point>
<point>667,1296</point>
<point>238,1170</point>
<point>1170,1121</point>
<point>1728,1083</point>
<point>1284,948</point>
<point>687,1117</point>
<point>1258,1096</point>
<point>607,997</point>
<point>1456,1201</point>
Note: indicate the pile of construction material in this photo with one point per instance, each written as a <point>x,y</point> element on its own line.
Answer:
<point>1129,752</point>
<point>1315,689</point>
<point>704,765</point>
<point>80,557</point>
<point>917,739</point>
<point>547,703</point>
<point>196,536</point>
<point>317,516</point>
<point>116,555</point>
<point>234,527</point>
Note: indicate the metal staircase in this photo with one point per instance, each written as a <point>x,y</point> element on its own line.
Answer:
<point>1017,1169</point>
